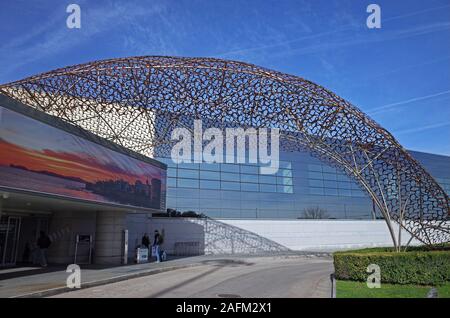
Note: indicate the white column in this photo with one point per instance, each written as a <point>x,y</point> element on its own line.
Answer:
<point>109,237</point>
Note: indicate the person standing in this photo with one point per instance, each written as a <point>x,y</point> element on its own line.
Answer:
<point>156,244</point>
<point>146,243</point>
<point>43,244</point>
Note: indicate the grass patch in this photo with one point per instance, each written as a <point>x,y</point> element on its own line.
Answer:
<point>351,289</point>
<point>444,291</point>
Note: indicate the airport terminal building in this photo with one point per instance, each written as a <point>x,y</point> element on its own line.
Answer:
<point>85,159</point>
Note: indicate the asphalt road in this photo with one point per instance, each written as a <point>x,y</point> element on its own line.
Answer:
<point>264,277</point>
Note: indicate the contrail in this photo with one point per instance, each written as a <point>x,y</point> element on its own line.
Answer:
<point>321,34</point>
<point>423,128</point>
<point>380,109</point>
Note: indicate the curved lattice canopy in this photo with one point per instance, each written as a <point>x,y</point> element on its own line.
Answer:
<point>136,101</point>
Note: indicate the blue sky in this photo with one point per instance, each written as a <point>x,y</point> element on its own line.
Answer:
<point>399,74</point>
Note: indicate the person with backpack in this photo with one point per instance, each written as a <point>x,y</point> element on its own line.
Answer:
<point>43,244</point>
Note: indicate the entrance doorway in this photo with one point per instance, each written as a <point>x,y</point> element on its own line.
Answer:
<point>9,239</point>
<point>18,237</point>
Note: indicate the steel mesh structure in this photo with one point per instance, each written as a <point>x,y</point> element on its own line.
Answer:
<point>137,101</point>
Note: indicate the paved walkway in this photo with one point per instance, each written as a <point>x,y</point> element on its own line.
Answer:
<point>37,282</point>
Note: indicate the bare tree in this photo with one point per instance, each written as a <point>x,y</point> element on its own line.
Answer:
<point>314,213</point>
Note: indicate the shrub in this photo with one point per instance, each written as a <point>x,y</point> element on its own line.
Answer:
<point>190,214</point>
<point>418,266</point>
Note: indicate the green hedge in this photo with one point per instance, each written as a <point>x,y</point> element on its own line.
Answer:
<point>413,267</point>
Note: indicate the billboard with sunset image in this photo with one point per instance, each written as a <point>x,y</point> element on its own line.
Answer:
<point>35,156</point>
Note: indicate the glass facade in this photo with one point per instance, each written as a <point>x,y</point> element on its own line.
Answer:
<point>235,177</point>
<point>302,182</point>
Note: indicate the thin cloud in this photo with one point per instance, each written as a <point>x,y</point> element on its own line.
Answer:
<point>386,107</point>
<point>422,128</point>
<point>402,33</point>
<point>55,39</point>
<point>351,40</point>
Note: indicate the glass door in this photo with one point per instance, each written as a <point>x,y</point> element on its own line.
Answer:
<point>9,239</point>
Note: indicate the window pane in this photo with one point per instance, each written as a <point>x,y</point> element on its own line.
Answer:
<point>184,173</point>
<point>230,186</point>
<point>267,214</point>
<point>343,177</point>
<point>344,185</point>
<point>328,169</point>
<point>172,172</point>
<point>315,183</point>
<point>209,203</point>
<point>268,188</point>
<point>267,179</point>
<point>316,191</point>
<point>171,182</point>
<point>187,203</point>
<point>330,184</point>
<point>284,181</point>
<point>315,175</point>
<point>187,193</point>
<point>224,176</point>
<point>329,176</point>
<point>210,166</point>
<point>345,192</point>
<point>249,178</point>
<point>249,169</point>
<point>231,213</point>
<point>206,184</point>
<point>249,187</point>
<point>211,175</point>
<point>312,167</point>
<point>248,213</point>
<point>228,167</point>
<point>285,165</point>
<point>285,189</point>
<point>209,194</point>
<point>330,191</point>
<point>188,183</point>
<point>193,166</point>
<point>284,173</point>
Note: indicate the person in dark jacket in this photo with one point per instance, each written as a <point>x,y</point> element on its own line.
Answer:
<point>156,243</point>
<point>43,244</point>
<point>145,241</point>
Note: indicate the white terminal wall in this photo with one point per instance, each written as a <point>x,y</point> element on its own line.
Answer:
<point>238,236</point>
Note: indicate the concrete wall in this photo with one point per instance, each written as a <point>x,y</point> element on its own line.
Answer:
<point>63,228</point>
<point>261,236</point>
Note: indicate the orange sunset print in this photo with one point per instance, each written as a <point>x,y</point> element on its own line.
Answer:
<point>38,157</point>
